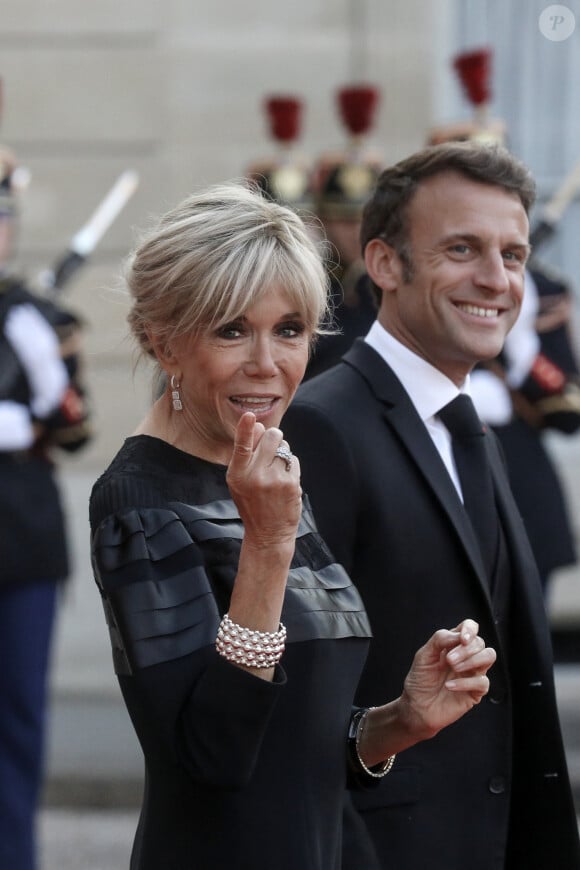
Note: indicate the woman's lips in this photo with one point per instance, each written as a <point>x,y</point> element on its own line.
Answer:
<point>256,404</point>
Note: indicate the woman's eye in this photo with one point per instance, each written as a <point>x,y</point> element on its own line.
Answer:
<point>230,330</point>
<point>291,330</point>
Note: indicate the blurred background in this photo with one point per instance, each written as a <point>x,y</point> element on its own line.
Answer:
<point>175,91</point>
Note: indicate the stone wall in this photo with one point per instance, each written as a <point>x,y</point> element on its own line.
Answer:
<point>174,90</point>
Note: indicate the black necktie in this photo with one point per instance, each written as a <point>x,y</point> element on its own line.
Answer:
<point>468,439</point>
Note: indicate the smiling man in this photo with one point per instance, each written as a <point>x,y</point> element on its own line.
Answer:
<point>445,241</point>
<point>457,293</point>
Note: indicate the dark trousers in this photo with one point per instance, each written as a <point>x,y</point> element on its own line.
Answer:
<point>26,622</point>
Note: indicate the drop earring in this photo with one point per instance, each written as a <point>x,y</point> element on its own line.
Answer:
<point>175,397</point>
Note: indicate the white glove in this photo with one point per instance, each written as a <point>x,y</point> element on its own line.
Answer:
<point>16,431</point>
<point>36,345</point>
<point>522,344</point>
<point>491,397</point>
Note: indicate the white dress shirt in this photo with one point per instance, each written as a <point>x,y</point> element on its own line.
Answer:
<point>427,387</point>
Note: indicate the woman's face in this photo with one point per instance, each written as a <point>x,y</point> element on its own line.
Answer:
<point>253,364</point>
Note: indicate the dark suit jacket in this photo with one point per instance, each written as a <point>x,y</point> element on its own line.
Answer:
<point>386,506</point>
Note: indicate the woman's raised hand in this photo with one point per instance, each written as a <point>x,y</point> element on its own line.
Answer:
<point>265,487</point>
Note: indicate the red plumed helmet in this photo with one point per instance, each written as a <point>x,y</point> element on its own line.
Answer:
<point>285,176</point>
<point>345,180</point>
<point>474,70</point>
<point>284,114</point>
<point>357,107</point>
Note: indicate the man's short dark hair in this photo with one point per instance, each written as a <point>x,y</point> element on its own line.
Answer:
<point>385,214</point>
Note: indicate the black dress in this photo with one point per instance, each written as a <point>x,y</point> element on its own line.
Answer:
<point>240,772</point>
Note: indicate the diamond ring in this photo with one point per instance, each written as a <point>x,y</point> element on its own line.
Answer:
<point>286,455</point>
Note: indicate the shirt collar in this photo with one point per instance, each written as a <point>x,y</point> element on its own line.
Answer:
<point>428,388</point>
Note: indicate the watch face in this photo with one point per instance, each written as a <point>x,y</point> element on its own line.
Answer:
<point>354,723</point>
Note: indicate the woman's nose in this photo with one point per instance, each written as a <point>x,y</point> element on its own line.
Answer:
<point>261,360</point>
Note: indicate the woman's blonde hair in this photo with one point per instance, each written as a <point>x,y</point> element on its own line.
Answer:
<point>212,257</point>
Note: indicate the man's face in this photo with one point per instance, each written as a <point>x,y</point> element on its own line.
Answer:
<point>468,244</point>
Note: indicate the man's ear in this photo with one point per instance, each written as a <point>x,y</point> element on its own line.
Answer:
<point>383,265</point>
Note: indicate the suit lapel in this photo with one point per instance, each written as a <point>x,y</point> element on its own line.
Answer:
<point>400,415</point>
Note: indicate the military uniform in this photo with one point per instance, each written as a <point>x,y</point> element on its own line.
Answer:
<point>343,181</point>
<point>285,175</point>
<point>42,407</point>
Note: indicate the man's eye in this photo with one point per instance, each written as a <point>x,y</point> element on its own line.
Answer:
<point>461,249</point>
<point>514,256</point>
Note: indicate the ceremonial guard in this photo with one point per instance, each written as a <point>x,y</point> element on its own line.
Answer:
<point>533,386</point>
<point>285,175</point>
<point>43,408</point>
<point>343,181</point>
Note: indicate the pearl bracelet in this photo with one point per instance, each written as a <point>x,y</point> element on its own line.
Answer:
<point>253,649</point>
